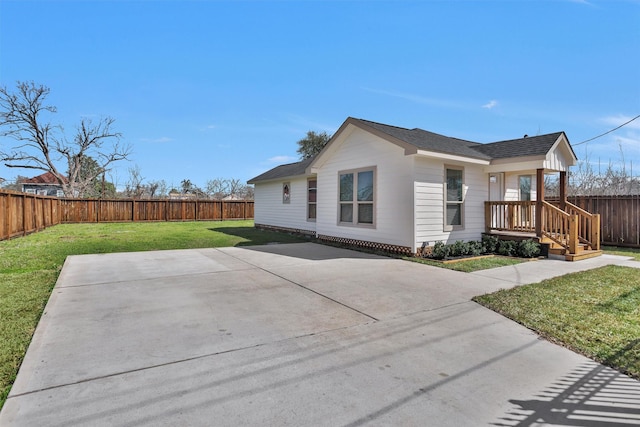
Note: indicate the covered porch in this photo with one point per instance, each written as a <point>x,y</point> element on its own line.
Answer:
<point>567,229</point>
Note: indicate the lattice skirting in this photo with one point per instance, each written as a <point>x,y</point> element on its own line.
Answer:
<point>286,230</point>
<point>385,247</point>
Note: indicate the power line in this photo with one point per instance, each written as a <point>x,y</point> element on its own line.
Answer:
<point>612,130</point>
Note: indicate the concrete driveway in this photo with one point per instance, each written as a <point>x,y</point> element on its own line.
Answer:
<point>299,334</point>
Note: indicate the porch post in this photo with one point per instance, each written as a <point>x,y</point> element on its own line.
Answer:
<point>539,200</point>
<point>563,189</point>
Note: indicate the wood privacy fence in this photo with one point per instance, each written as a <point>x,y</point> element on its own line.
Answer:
<point>22,213</point>
<point>619,217</point>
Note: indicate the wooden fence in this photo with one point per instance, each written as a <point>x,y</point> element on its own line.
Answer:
<point>619,217</point>
<point>22,213</point>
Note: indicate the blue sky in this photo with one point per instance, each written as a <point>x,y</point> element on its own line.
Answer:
<point>224,89</point>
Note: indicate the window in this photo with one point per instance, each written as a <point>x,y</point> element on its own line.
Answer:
<point>30,190</point>
<point>312,196</point>
<point>524,181</point>
<point>60,193</point>
<point>357,197</point>
<point>286,192</point>
<point>453,199</point>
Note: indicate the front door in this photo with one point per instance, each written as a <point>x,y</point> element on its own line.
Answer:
<point>496,187</point>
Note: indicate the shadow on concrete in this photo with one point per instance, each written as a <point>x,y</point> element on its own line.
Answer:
<point>592,395</point>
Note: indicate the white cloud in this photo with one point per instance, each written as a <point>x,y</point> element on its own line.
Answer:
<point>160,140</point>
<point>489,105</point>
<point>282,159</point>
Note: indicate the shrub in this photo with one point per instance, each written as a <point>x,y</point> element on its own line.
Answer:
<point>490,244</point>
<point>440,250</point>
<point>507,248</point>
<point>474,248</point>
<point>459,248</point>
<point>528,249</point>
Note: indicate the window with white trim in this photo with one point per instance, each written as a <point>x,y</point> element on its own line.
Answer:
<point>312,197</point>
<point>356,198</point>
<point>453,199</point>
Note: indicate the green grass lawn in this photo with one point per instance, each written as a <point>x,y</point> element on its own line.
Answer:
<point>29,267</point>
<point>618,250</point>
<point>596,313</point>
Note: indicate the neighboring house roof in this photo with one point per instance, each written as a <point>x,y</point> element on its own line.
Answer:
<point>45,178</point>
<point>419,139</point>
<point>290,169</point>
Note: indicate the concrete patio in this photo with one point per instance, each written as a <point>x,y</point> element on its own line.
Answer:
<point>300,334</point>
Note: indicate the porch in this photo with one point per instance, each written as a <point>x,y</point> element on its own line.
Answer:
<point>567,229</point>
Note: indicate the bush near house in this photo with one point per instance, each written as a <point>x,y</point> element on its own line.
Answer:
<point>490,245</point>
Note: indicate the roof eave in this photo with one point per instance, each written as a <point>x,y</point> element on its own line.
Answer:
<point>452,157</point>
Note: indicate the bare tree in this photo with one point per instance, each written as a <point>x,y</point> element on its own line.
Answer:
<point>134,187</point>
<point>42,146</point>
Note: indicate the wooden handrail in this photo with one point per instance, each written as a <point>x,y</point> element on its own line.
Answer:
<point>557,225</point>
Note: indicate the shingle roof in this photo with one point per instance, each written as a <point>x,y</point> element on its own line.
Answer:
<point>521,147</point>
<point>45,178</point>
<point>425,140</point>
<point>429,141</point>
<point>290,169</point>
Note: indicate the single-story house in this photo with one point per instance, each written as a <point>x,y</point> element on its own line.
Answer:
<point>45,184</point>
<point>398,189</point>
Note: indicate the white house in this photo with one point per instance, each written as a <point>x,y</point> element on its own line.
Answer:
<point>403,189</point>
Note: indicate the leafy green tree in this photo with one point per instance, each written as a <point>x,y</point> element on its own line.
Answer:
<point>312,144</point>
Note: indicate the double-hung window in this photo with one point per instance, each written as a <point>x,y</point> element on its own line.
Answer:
<point>357,197</point>
<point>453,199</point>
<point>312,196</point>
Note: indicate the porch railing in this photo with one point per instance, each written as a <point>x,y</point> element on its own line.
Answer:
<point>588,225</point>
<point>569,227</point>
<point>511,216</point>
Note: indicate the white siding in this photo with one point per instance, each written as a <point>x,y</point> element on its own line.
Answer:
<point>269,209</point>
<point>393,192</point>
<point>512,185</point>
<point>429,202</point>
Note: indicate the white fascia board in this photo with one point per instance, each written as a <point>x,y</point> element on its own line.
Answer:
<point>515,167</point>
<point>452,157</point>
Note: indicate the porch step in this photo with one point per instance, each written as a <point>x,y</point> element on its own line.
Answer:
<point>582,255</point>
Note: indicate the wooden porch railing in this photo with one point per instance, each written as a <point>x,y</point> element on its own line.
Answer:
<point>557,225</point>
<point>568,228</point>
<point>510,216</point>
<point>588,225</point>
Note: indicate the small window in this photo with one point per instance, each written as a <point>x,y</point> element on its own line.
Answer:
<point>524,181</point>
<point>312,198</point>
<point>357,197</point>
<point>60,193</point>
<point>286,192</point>
<point>30,190</point>
<point>453,199</point>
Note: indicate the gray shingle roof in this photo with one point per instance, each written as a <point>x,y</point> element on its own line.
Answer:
<point>425,140</point>
<point>521,147</point>
<point>429,141</point>
<point>282,171</point>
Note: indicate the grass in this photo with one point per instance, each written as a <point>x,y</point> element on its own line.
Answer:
<point>470,265</point>
<point>616,250</point>
<point>596,313</point>
<point>29,267</point>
